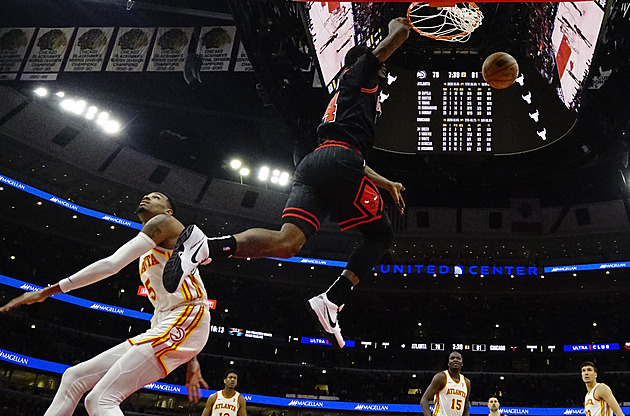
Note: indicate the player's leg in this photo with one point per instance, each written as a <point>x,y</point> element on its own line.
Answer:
<point>377,238</point>
<point>260,242</point>
<point>134,370</point>
<point>81,378</point>
<point>301,218</point>
<point>173,340</point>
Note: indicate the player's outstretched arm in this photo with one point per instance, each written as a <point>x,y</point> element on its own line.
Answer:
<point>194,380</point>
<point>437,384</point>
<point>604,392</point>
<point>398,34</point>
<point>29,298</point>
<point>157,230</point>
<point>208,409</point>
<point>395,189</point>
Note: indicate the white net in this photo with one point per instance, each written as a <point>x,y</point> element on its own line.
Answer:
<point>453,24</point>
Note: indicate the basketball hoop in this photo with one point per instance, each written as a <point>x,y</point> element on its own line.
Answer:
<point>452,24</point>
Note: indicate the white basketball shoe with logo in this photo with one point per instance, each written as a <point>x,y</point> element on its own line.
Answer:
<point>191,250</point>
<point>325,313</point>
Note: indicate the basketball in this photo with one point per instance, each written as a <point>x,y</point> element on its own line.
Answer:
<point>500,70</point>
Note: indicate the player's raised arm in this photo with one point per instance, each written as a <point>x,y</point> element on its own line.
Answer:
<point>154,231</point>
<point>398,34</point>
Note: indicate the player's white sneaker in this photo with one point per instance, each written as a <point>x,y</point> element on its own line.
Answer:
<point>325,313</point>
<point>191,250</point>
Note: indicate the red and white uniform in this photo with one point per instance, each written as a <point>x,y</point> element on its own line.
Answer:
<point>450,401</point>
<point>180,324</point>
<point>593,407</point>
<point>179,330</point>
<point>224,406</point>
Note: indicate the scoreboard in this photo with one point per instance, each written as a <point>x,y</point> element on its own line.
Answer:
<point>454,112</point>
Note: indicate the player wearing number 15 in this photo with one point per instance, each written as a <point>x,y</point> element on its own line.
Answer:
<point>226,402</point>
<point>599,400</point>
<point>449,389</point>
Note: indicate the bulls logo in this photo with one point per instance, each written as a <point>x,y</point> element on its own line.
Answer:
<point>177,334</point>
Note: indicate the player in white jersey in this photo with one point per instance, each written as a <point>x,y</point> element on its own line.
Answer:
<point>226,402</point>
<point>449,390</point>
<point>599,400</point>
<point>179,327</point>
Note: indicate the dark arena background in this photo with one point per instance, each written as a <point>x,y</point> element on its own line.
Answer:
<point>514,249</point>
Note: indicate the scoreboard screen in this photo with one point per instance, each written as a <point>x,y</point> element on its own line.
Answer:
<point>456,111</point>
<point>456,106</point>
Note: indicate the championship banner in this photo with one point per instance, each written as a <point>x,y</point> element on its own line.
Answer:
<point>88,51</point>
<point>47,53</point>
<point>130,50</point>
<point>526,215</point>
<point>13,45</point>
<point>170,49</point>
<point>243,64</point>
<point>215,47</point>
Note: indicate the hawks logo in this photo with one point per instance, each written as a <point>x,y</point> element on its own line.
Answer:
<point>177,334</point>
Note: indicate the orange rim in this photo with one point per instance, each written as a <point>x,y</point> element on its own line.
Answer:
<point>441,37</point>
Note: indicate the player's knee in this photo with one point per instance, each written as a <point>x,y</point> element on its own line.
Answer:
<point>91,403</point>
<point>96,403</point>
<point>72,383</point>
<point>290,241</point>
<point>380,232</point>
<point>289,248</point>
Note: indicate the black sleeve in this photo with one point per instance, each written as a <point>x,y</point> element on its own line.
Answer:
<point>364,72</point>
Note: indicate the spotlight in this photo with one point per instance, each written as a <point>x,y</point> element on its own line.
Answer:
<point>263,173</point>
<point>235,164</point>
<point>79,107</point>
<point>244,172</point>
<point>60,94</point>
<point>284,178</point>
<point>111,126</point>
<point>102,118</point>
<point>67,104</point>
<point>41,92</point>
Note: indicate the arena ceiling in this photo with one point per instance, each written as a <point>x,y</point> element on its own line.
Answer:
<point>201,126</point>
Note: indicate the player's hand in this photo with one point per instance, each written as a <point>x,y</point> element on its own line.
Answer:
<point>395,190</point>
<point>194,381</point>
<point>399,23</point>
<point>27,298</point>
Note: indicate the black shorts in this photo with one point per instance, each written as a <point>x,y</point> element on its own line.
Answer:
<point>331,180</point>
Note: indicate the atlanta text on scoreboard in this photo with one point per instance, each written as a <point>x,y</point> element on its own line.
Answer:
<point>442,269</point>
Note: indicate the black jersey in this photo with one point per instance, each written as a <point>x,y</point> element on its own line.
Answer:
<point>353,110</point>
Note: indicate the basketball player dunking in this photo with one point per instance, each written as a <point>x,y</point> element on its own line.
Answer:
<point>449,389</point>
<point>332,179</point>
<point>179,328</point>
<point>599,400</point>
<point>226,402</point>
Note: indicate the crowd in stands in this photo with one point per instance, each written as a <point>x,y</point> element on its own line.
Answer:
<point>54,331</point>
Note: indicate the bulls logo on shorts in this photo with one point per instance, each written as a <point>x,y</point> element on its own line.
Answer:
<point>369,203</point>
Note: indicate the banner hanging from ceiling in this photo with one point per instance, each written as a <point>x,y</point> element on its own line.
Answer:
<point>215,47</point>
<point>129,53</point>
<point>14,42</point>
<point>89,49</point>
<point>170,49</point>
